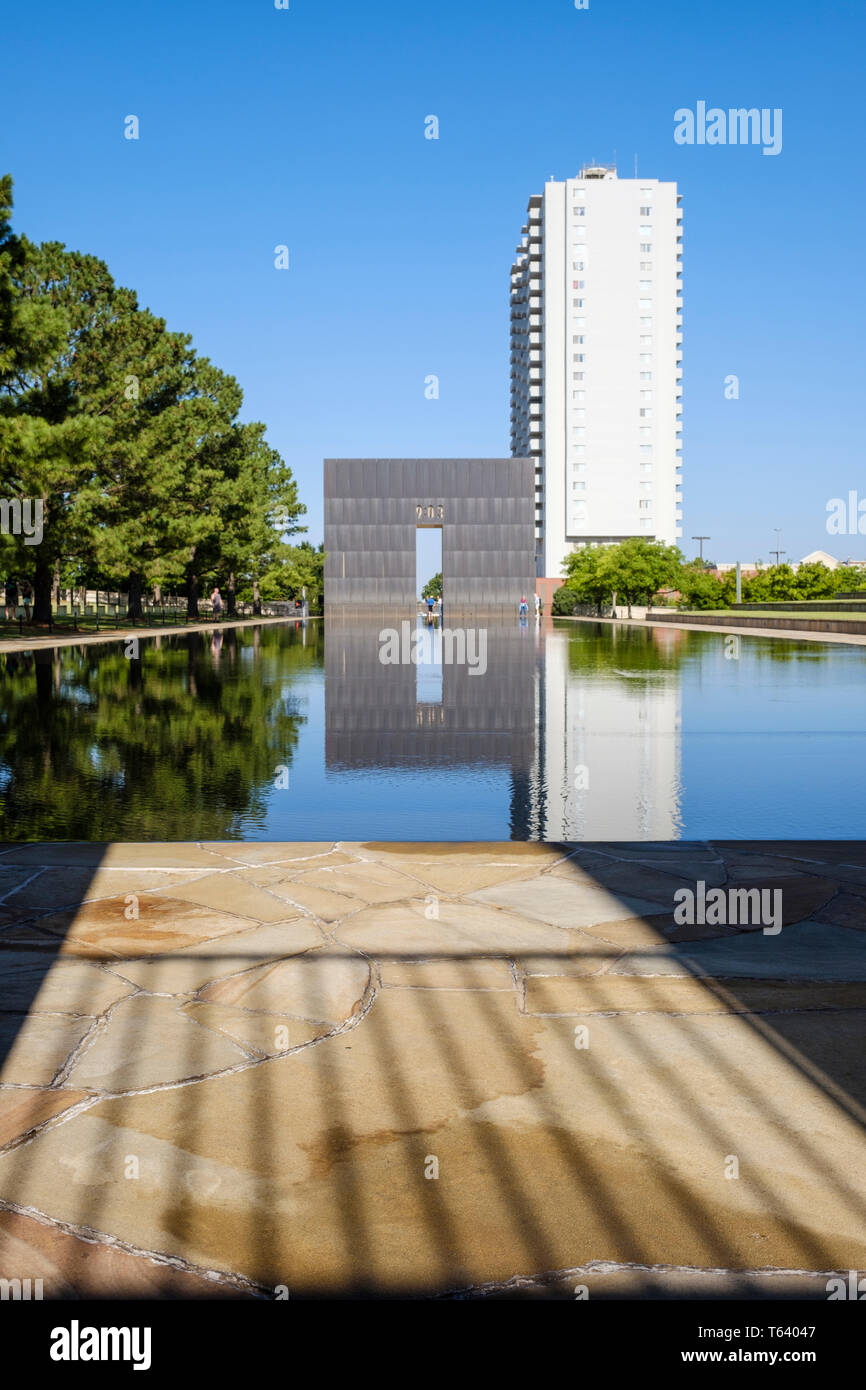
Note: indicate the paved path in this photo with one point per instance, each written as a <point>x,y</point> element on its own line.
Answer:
<point>790,634</point>
<point>430,1069</point>
<point>32,643</point>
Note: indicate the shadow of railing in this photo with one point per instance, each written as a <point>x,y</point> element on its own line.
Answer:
<point>303,1166</point>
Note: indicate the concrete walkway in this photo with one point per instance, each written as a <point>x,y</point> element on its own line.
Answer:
<point>430,1069</point>
<point>32,643</point>
<point>788,633</point>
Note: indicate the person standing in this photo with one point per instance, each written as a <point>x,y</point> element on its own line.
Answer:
<point>11,597</point>
<point>27,598</point>
<point>537,606</point>
<point>524,607</point>
<point>217,602</point>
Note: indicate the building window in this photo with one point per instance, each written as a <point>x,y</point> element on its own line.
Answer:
<point>646,395</point>
<point>646,411</point>
<point>579,356</point>
<point>579,322</point>
<point>578,487</point>
<point>578,265</point>
<point>578,431</point>
<point>645,431</point>
<point>578,304</point>
<point>646,451</point>
<point>646,231</point>
<point>646,468</point>
<point>646,323</point>
<point>579,450</point>
<point>578,414</point>
<point>646,212</point>
<point>580,212</point>
<point>646,247</point>
<point>645,504</point>
<point>578,395</point>
<point>577,376</point>
<point>578,338</point>
<point>646,342</point>
<point>646,265</point>
<point>646,376</point>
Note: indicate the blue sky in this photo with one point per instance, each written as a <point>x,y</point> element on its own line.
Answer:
<point>305,127</point>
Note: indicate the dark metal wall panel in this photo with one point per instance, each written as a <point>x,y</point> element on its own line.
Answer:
<point>486,508</point>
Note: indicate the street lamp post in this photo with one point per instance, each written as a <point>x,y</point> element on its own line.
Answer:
<point>702,539</point>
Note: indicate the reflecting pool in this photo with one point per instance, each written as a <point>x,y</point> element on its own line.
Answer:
<point>555,730</point>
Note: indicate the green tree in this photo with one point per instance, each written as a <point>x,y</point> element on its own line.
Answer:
<point>777,583</point>
<point>48,444</point>
<point>701,588</point>
<point>587,578</point>
<point>293,569</point>
<point>138,379</point>
<point>130,441</point>
<point>815,581</point>
<point>637,568</point>
<point>433,587</point>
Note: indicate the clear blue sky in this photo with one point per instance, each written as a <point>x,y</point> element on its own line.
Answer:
<point>305,127</point>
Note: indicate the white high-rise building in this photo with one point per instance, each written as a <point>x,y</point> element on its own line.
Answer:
<point>596,361</point>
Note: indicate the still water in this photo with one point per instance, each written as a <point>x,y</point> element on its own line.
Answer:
<point>563,731</point>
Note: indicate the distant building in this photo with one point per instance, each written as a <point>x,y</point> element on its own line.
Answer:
<point>820,557</point>
<point>596,362</point>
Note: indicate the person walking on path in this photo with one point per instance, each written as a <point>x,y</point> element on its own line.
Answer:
<point>524,607</point>
<point>217,601</point>
<point>27,598</point>
<point>537,606</point>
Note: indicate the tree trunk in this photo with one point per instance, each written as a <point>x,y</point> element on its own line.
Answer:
<point>42,581</point>
<point>231,597</point>
<point>134,609</point>
<point>257,603</point>
<point>43,662</point>
<point>191,592</point>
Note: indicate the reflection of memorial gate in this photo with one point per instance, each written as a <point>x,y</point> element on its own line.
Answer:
<point>373,718</point>
<point>485,508</point>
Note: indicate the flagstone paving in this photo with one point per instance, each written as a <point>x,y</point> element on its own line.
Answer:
<point>487,1070</point>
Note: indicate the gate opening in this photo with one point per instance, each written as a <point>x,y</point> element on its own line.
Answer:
<point>428,585</point>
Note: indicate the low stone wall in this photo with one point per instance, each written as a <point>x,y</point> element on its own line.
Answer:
<point>807,605</point>
<point>739,619</point>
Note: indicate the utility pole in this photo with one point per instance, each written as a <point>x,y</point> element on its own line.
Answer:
<point>702,539</point>
<point>778,552</point>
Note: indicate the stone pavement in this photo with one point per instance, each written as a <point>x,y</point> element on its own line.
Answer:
<point>410,1069</point>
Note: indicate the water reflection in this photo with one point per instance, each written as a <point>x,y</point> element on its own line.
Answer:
<point>590,749</point>
<point>524,730</point>
<point>178,740</point>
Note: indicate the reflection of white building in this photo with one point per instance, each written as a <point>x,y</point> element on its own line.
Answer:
<point>609,757</point>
